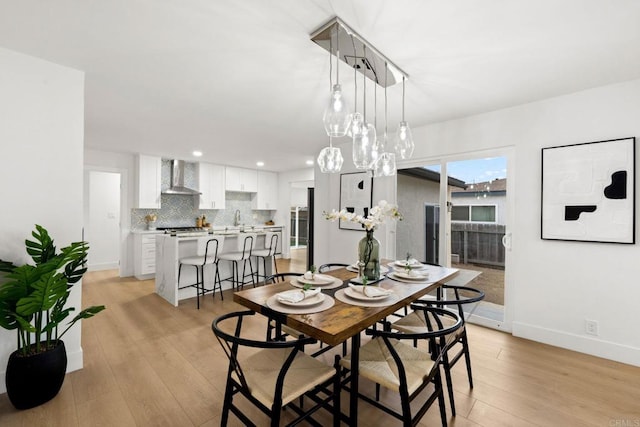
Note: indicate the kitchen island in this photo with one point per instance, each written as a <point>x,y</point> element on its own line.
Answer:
<point>171,248</point>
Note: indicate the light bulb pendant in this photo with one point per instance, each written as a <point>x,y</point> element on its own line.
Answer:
<point>364,147</point>
<point>336,116</point>
<point>403,143</point>
<point>385,165</point>
<point>330,160</point>
<point>356,126</point>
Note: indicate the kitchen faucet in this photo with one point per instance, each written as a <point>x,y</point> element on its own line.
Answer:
<point>236,218</point>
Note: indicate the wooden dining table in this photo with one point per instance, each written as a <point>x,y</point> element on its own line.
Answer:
<point>343,321</point>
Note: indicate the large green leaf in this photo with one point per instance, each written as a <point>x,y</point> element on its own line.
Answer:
<point>8,316</point>
<point>42,249</point>
<point>75,257</point>
<point>46,292</point>
<point>6,266</point>
<point>84,314</point>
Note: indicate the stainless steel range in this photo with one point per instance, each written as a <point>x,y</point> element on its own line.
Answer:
<point>185,231</point>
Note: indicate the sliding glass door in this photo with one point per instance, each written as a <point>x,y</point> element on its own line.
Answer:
<point>471,234</point>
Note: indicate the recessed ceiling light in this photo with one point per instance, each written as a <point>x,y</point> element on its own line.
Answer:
<point>310,162</point>
<point>259,164</point>
<point>197,153</point>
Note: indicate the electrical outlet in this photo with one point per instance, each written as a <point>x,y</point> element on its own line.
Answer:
<point>591,327</point>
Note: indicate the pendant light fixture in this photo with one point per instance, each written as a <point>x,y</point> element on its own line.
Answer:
<point>336,116</point>
<point>357,120</point>
<point>364,142</point>
<point>330,158</point>
<point>385,164</point>
<point>403,144</point>
<point>368,152</point>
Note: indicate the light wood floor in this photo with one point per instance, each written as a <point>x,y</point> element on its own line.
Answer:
<point>150,364</point>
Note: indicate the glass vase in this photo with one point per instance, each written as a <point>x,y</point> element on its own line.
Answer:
<point>369,256</point>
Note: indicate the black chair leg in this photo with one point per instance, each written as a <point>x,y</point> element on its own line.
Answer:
<point>336,392</point>
<point>443,410</point>
<point>198,287</point>
<point>467,357</point>
<point>447,374</point>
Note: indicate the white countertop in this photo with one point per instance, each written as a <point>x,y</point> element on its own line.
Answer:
<point>220,230</point>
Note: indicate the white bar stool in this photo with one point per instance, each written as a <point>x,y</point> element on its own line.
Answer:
<point>246,243</point>
<point>269,251</point>
<point>207,254</point>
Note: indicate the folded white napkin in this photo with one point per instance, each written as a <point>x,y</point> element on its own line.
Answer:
<point>296,295</point>
<point>410,261</point>
<point>413,274</point>
<point>370,291</point>
<point>309,275</point>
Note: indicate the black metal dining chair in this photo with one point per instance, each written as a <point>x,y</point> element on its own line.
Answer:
<point>273,374</point>
<point>415,323</point>
<point>276,330</point>
<point>389,361</point>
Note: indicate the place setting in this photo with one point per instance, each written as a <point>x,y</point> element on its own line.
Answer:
<point>354,269</point>
<point>409,275</point>
<point>366,295</point>
<point>318,280</point>
<point>300,301</point>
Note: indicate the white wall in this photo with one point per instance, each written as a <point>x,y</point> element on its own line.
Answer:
<point>102,219</point>
<point>553,286</point>
<point>42,111</point>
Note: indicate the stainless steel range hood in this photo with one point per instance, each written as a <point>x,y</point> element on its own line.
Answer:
<point>177,180</point>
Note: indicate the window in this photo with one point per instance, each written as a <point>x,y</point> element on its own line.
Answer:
<point>460,213</point>
<point>473,213</point>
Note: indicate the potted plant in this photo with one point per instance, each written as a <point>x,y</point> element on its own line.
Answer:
<point>33,302</point>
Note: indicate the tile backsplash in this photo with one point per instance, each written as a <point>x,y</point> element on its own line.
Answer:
<point>182,211</point>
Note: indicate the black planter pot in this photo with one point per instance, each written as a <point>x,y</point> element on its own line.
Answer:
<point>35,379</point>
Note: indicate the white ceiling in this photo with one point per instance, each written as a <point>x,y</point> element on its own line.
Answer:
<point>241,81</point>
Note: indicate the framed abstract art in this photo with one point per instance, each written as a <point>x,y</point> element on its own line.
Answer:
<point>356,191</point>
<point>588,192</point>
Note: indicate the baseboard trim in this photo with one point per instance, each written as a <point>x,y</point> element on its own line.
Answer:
<point>592,346</point>
<point>103,266</point>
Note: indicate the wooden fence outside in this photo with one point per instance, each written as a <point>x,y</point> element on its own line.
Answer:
<point>478,243</point>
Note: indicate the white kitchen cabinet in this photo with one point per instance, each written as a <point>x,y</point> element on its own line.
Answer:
<point>144,255</point>
<point>267,196</point>
<point>211,181</point>
<point>239,179</point>
<point>149,182</point>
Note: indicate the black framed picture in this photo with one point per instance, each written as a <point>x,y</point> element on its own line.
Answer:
<point>356,192</point>
<point>588,192</point>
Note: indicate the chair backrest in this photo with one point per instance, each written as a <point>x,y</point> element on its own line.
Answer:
<point>331,266</point>
<point>281,277</point>
<point>439,321</point>
<point>208,247</point>
<point>463,295</point>
<point>271,242</point>
<point>232,343</point>
<point>246,243</point>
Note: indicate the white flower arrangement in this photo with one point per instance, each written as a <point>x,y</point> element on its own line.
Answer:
<point>377,215</point>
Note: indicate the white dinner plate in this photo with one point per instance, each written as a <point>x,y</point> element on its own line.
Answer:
<point>320,279</point>
<point>397,278</point>
<point>352,293</point>
<point>312,300</point>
